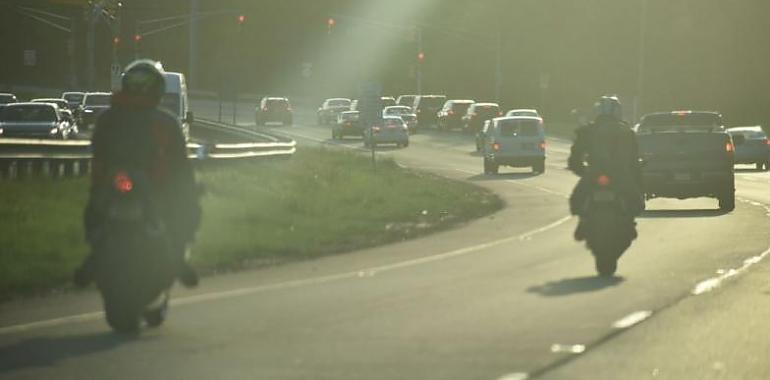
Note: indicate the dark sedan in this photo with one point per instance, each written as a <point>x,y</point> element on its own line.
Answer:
<point>33,120</point>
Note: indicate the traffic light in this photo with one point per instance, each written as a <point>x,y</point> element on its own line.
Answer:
<point>241,19</point>
<point>115,41</point>
<point>420,57</point>
<point>137,38</point>
<point>331,23</point>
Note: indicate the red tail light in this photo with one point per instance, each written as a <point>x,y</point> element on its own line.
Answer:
<point>264,109</point>
<point>375,129</point>
<point>729,148</point>
<point>542,145</point>
<point>122,182</point>
<point>767,142</point>
<point>499,114</point>
<point>450,113</point>
<point>496,146</point>
<point>603,180</point>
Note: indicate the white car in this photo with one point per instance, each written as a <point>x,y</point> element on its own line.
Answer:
<point>523,112</point>
<point>405,113</point>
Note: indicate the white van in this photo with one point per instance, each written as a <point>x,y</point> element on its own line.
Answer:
<point>175,100</point>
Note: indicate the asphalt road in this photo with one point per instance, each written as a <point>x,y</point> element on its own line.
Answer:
<point>511,296</point>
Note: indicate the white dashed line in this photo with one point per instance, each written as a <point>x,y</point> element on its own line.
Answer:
<point>632,319</point>
<point>710,284</point>
<point>568,348</point>
<point>515,376</point>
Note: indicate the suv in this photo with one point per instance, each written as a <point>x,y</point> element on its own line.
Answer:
<point>517,141</point>
<point>426,108</point>
<point>450,116</point>
<point>330,108</point>
<point>687,154</point>
<point>272,109</point>
<point>406,100</point>
<point>478,113</point>
<point>94,103</point>
<point>751,146</point>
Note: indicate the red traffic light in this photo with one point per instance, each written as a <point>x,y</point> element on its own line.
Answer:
<point>241,19</point>
<point>137,38</point>
<point>331,22</point>
<point>116,40</point>
<point>420,56</point>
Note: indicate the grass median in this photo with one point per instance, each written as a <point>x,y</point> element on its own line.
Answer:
<point>320,202</point>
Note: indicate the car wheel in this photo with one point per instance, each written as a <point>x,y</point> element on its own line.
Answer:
<point>760,166</point>
<point>539,167</point>
<point>727,202</point>
<point>406,144</point>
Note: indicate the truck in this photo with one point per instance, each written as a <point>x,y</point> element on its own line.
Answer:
<point>175,100</point>
<point>687,154</point>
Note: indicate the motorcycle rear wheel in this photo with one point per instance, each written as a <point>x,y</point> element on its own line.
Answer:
<point>122,319</point>
<point>155,317</point>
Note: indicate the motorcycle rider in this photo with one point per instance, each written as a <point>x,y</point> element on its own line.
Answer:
<point>135,133</point>
<point>606,146</point>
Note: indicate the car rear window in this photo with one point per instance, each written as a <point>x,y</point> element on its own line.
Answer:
<point>387,102</point>
<point>519,128</point>
<point>339,103</point>
<point>28,113</point>
<point>750,135</point>
<point>432,101</point>
<point>75,98</point>
<point>349,116</point>
<point>277,103</point>
<point>398,111</point>
<point>681,121</point>
<point>486,110</point>
<point>97,100</point>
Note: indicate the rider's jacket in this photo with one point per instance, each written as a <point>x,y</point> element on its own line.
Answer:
<point>133,134</point>
<point>607,146</point>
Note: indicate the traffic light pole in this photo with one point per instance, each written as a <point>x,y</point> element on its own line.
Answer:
<point>420,58</point>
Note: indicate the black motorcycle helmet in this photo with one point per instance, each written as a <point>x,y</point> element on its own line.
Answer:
<point>144,79</point>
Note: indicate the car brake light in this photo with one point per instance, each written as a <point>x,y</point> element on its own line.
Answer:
<point>122,182</point>
<point>603,180</point>
<point>450,113</point>
<point>264,109</point>
<point>729,148</point>
<point>542,145</point>
<point>496,146</point>
<point>375,129</point>
<point>767,142</point>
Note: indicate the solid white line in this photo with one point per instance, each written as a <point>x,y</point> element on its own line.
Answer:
<point>710,284</point>
<point>632,319</point>
<point>515,376</point>
<point>367,272</point>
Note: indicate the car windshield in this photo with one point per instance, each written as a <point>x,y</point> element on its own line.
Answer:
<point>170,103</point>
<point>398,111</point>
<point>681,121</point>
<point>5,99</point>
<point>523,113</point>
<point>339,103</point>
<point>276,103</point>
<point>28,113</point>
<point>74,98</point>
<point>518,128</point>
<point>97,100</point>
<point>432,101</point>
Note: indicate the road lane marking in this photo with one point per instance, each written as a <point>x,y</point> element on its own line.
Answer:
<point>515,376</point>
<point>366,272</point>
<point>568,348</point>
<point>632,319</point>
<point>710,284</point>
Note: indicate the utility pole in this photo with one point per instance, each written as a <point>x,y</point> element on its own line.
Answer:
<point>499,64</point>
<point>420,59</point>
<point>192,73</point>
<point>642,48</point>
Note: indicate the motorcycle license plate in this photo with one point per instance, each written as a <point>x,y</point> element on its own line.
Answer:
<point>604,196</point>
<point>126,211</point>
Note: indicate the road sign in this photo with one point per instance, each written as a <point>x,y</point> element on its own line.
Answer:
<point>369,103</point>
<point>30,57</point>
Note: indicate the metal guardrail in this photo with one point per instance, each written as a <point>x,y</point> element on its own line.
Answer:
<point>28,157</point>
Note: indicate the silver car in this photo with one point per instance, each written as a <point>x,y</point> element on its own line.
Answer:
<point>34,120</point>
<point>389,130</point>
<point>514,141</point>
<point>405,113</point>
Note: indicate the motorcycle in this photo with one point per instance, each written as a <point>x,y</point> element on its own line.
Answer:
<point>609,227</point>
<point>135,270</point>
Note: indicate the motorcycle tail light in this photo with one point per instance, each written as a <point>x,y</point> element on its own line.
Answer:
<point>122,182</point>
<point>603,180</point>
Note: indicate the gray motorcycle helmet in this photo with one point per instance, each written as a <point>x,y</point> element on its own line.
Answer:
<point>144,78</point>
<point>609,106</point>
